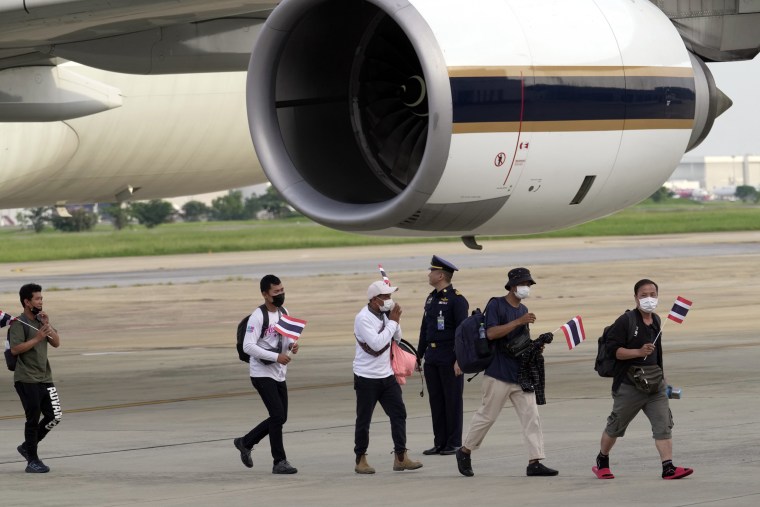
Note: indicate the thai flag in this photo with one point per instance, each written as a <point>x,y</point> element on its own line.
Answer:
<point>574,333</point>
<point>679,310</point>
<point>5,318</point>
<point>384,275</point>
<point>290,327</point>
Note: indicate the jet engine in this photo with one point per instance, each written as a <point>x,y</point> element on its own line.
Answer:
<point>443,117</point>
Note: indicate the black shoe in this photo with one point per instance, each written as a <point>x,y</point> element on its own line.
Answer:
<point>22,451</point>
<point>433,450</point>
<point>245,454</point>
<point>539,470</point>
<point>283,467</point>
<point>37,467</point>
<point>464,464</point>
<point>448,451</point>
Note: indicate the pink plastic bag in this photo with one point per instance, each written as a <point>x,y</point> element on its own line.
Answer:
<point>402,362</point>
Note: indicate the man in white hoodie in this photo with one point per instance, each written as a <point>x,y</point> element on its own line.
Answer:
<point>268,366</point>
<point>375,326</point>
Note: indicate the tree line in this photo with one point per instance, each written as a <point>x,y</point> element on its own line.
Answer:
<point>156,212</point>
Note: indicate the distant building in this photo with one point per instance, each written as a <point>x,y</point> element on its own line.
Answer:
<point>714,177</point>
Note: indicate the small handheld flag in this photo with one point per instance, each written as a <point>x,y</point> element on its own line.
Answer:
<point>384,275</point>
<point>574,332</point>
<point>679,310</point>
<point>290,327</point>
<point>5,319</point>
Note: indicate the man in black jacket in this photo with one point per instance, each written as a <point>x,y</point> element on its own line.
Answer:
<point>635,341</point>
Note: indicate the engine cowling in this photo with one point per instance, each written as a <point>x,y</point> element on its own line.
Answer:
<point>439,117</point>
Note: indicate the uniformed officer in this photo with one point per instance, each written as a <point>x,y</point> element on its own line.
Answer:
<point>445,309</point>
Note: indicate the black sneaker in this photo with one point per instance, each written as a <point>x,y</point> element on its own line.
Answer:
<point>283,467</point>
<point>37,467</point>
<point>464,463</point>
<point>539,470</point>
<point>23,452</point>
<point>245,454</point>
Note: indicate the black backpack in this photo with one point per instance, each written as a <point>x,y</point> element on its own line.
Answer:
<point>606,364</point>
<point>473,353</point>
<point>10,359</point>
<point>243,326</point>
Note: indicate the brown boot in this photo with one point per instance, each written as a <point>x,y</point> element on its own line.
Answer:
<point>402,462</point>
<point>362,467</point>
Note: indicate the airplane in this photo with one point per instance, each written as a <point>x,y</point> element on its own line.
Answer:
<point>397,117</point>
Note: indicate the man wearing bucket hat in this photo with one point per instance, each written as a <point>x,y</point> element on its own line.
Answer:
<point>506,319</point>
<point>374,381</point>
<point>445,309</point>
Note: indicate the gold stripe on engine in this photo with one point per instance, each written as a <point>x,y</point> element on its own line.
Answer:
<point>571,126</point>
<point>566,71</point>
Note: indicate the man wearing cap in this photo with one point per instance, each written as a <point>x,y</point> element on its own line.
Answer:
<point>374,328</point>
<point>507,318</point>
<point>445,309</point>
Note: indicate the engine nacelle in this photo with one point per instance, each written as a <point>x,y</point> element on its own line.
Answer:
<point>488,117</point>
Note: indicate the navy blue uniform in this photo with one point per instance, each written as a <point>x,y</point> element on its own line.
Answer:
<point>437,347</point>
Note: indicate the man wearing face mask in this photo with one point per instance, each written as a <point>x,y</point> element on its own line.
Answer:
<point>374,328</point>
<point>270,356</point>
<point>32,378</point>
<point>445,309</point>
<point>639,383</point>
<point>506,318</point>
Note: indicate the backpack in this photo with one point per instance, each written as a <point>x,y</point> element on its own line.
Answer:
<point>242,328</point>
<point>473,353</point>
<point>606,364</point>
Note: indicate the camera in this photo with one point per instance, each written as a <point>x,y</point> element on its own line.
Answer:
<point>674,393</point>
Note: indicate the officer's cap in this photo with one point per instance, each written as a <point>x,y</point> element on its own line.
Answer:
<point>518,276</point>
<point>442,264</point>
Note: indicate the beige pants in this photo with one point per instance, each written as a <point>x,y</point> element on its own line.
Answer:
<point>496,393</point>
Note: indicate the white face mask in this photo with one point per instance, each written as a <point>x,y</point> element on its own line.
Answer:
<point>648,304</point>
<point>388,305</point>
<point>522,291</point>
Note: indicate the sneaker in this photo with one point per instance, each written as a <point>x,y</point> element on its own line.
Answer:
<point>539,470</point>
<point>37,467</point>
<point>283,467</point>
<point>464,463</point>
<point>676,473</point>
<point>245,454</point>
<point>23,452</point>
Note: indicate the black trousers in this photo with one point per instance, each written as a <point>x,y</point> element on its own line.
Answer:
<point>370,391</point>
<point>38,400</point>
<point>275,397</point>
<point>445,394</point>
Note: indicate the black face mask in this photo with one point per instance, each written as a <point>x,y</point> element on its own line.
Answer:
<point>278,300</point>
<point>36,310</point>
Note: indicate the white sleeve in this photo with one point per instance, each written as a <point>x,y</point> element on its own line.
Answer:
<point>252,335</point>
<point>365,329</point>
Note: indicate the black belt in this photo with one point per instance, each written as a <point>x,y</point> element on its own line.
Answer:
<point>434,345</point>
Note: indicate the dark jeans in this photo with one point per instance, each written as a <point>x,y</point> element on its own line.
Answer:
<point>38,400</point>
<point>275,397</point>
<point>369,391</point>
<point>445,395</point>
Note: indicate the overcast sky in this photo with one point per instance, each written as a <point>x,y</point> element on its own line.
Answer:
<point>737,131</point>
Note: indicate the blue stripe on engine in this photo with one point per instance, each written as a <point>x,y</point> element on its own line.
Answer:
<point>498,99</point>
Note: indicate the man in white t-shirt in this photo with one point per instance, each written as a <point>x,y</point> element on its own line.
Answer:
<point>374,380</point>
<point>268,366</point>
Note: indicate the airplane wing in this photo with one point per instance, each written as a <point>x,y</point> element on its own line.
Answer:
<point>411,117</point>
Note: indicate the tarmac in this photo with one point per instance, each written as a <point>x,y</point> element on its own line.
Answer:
<point>153,393</point>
